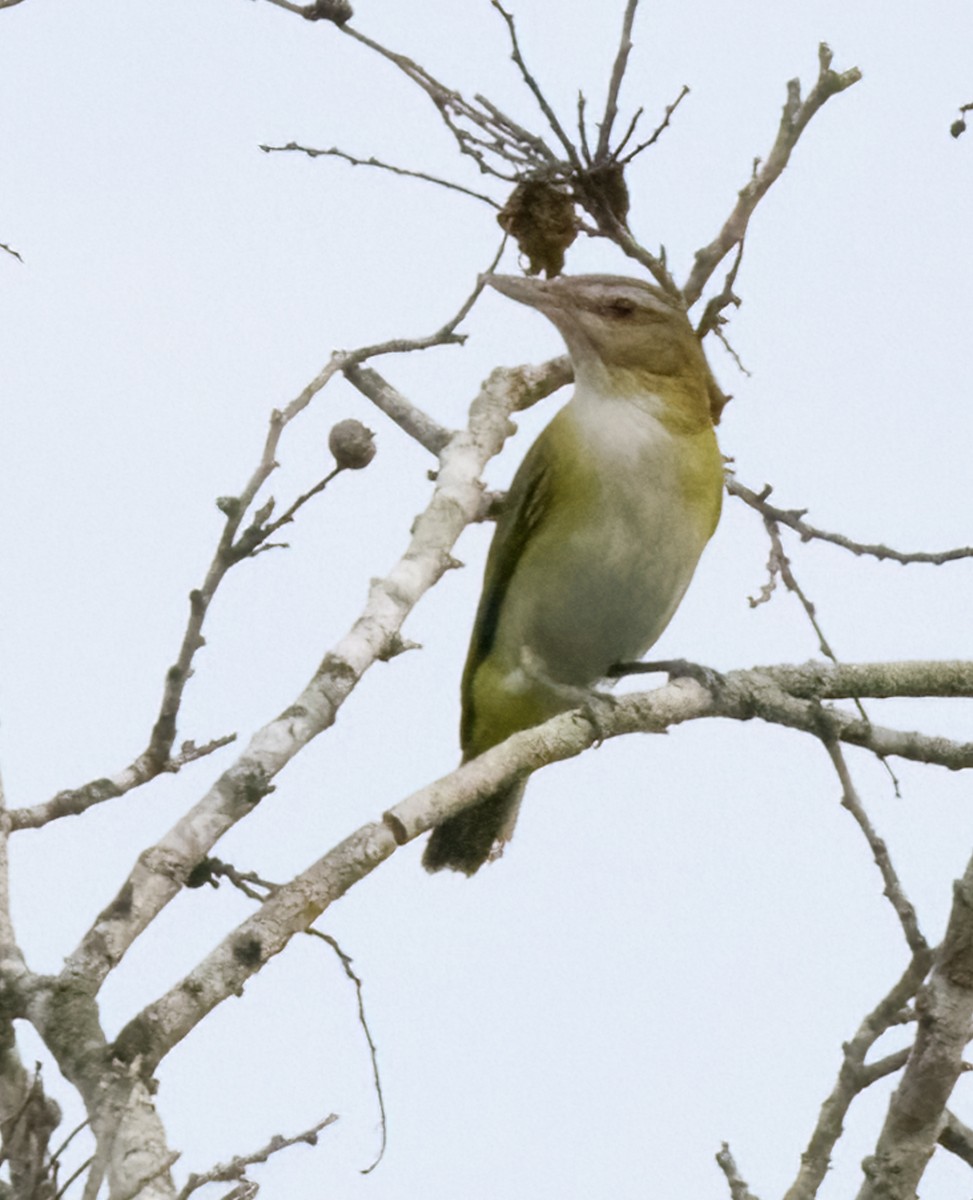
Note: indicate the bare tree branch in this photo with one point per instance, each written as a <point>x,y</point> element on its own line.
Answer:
<point>793,518</point>
<point>615,82</point>
<point>877,681</point>
<point>552,375</point>
<point>894,890</point>
<point>28,1118</point>
<point>795,117</point>
<point>654,136</point>
<point>236,1168</point>
<point>917,1111</point>
<point>74,801</point>
<point>957,1136</point>
<point>233,547</point>
<point>853,1076</point>
<point>739,1188</point>
<point>346,962</point>
<point>539,96</point>
<point>334,152</point>
<point>412,420</point>
<point>741,695</point>
<point>891,1064</point>
<point>162,869</point>
<point>499,136</point>
<point>780,564</point>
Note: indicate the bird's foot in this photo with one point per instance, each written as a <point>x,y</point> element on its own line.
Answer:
<point>675,668</point>
<point>597,707</point>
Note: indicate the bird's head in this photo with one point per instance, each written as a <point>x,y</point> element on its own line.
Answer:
<point>623,335</point>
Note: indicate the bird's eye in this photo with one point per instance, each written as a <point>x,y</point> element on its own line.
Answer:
<point>620,307</point>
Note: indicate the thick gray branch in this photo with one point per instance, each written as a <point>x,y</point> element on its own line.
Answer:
<point>741,696</point>
<point>162,869</point>
<point>917,1115</point>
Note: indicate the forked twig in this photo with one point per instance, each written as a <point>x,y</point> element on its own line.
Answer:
<point>531,82</point>
<point>793,518</point>
<point>853,1076</point>
<point>236,1168</point>
<point>796,115</point>
<point>615,83</point>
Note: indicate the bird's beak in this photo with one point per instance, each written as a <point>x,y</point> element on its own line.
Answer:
<point>535,292</point>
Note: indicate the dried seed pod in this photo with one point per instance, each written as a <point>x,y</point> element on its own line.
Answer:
<point>352,445</point>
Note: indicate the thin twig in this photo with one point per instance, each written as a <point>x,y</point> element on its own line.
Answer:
<point>531,82</point>
<point>615,82</point>
<point>632,125</point>
<point>416,423</point>
<point>739,1188</point>
<point>620,234</point>
<point>74,801</point>
<point>211,870</point>
<point>502,136</point>
<point>234,508</point>
<point>656,133</point>
<point>346,962</point>
<point>70,1138</point>
<point>73,1176</point>
<point>794,119</point>
<point>793,518</point>
<point>712,319</point>
<point>334,152</point>
<point>236,1168</point>
<point>894,891</point>
<point>889,1065</point>
<point>582,130</point>
<point>254,538</point>
<point>780,563</point>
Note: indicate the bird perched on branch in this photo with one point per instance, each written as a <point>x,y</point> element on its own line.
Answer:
<point>602,529</point>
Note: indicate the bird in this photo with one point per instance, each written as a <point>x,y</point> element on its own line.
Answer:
<point>601,530</point>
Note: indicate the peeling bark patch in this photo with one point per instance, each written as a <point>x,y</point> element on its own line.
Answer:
<point>247,951</point>
<point>121,906</point>
<point>336,668</point>
<point>252,788</point>
<point>134,1041</point>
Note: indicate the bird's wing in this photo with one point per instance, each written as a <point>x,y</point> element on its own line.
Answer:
<point>525,509</point>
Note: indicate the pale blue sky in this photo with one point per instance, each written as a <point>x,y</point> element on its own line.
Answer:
<point>685,928</point>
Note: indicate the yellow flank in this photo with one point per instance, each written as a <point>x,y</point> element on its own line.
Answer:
<point>602,530</point>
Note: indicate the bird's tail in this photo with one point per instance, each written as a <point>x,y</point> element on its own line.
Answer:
<point>471,838</point>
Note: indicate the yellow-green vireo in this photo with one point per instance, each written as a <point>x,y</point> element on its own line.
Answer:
<point>602,528</point>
